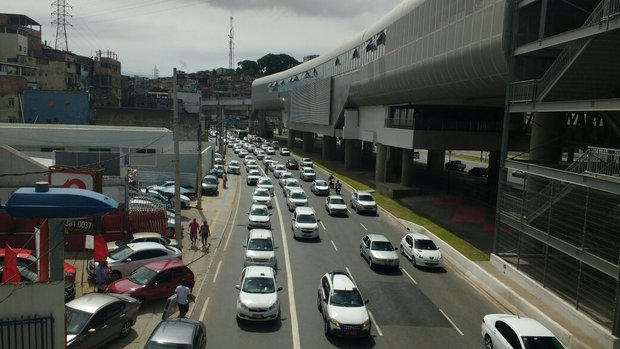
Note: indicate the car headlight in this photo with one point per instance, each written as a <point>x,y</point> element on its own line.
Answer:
<point>273,306</point>
<point>241,305</point>
<point>366,324</point>
<point>272,259</point>
<point>335,323</point>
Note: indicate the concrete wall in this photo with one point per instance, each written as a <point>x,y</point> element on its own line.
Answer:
<point>189,123</point>
<point>14,161</point>
<point>10,44</point>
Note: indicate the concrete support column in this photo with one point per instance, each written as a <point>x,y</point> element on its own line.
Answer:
<point>380,163</point>
<point>308,142</point>
<point>435,161</point>
<point>545,142</point>
<point>406,173</point>
<point>291,138</point>
<point>328,151</point>
<point>367,151</point>
<point>494,163</point>
<point>352,154</point>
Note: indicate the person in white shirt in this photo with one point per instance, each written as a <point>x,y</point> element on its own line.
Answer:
<point>184,296</point>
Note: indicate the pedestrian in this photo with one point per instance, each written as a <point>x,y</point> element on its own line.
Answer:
<point>204,233</point>
<point>184,296</point>
<point>193,231</point>
<point>102,276</point>
<point>224,180</point>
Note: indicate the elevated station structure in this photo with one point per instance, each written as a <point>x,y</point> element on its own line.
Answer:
<point>537,77</point>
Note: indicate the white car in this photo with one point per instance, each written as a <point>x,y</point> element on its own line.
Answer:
<point>260,154</point>
<point>506,331</point>
<point>306,162</point>
<point>271,151</point>
<point>320,187</point>
<point>249,158</point>
<point>243,153</point>
<point>421,250</point>
<point>233,167</point>
<point>142,237</point>
<point>335,205</point>
<point>253,176</point>
<point>343,307</point>
<point>258,294</point>
<point>273,164</point>
<point>130,257</point>
<point>283,177</point>
<point>378,250</point>
<point>266,160</point>
<point>307,174</point>
<point>304,223</point>
<point>285,152</point>
<point>290,184</point>
<point>259,249</point>
<point>296,197</point>
<point>266,183</point>
<point>278,170</point>
<point>363,202</point>
<point>259,217</point>
<point>261,196</point>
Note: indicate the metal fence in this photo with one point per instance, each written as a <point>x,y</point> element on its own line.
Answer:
<point>29,332</point>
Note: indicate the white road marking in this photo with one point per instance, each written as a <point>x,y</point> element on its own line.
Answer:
<point>289,282</point>
<point>372,318</point>
<point>333,244</point>
<point>217,270</point>
<point>363,226</point>
<point>456,328</point>
<point>322,226</point>
<point>348,211</point>
<point>204,310</point>
<point>409,276</point>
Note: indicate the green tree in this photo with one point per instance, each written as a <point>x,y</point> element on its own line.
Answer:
<point>248,67</point>
<point>271,63</point>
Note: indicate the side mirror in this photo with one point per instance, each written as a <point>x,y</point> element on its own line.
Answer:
<point>238,287</point>
<point>127,260</point>
<point>280,288</point>
<point>318,220</point>
<point>276,247</point>
<point>91,331</point>
<point>245,246</point>
<point>366,301</point>
<point>271,214</point>
<point>247,213</point>
<point>395,248</point>
<point>410,245</point>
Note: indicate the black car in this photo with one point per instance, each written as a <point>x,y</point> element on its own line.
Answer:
<point>178,333</point>
<point>478,171</point>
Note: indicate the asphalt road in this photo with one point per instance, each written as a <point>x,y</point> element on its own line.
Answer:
<point>410,307</point>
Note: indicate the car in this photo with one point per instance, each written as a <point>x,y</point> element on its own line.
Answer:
<point>289,184</point>
<point>218,160</point>
<point>378,250</point>
<point>296,197</point>
<point>155,280</point>
<point>478,171</point>
<point>275,145</point>
<point>253,176</point>
<point>185,190</point>
<point>28,275</point>
<point>178,333</point>
<point>507,331</point>
<point>342,306</point>
<point>304,223</point>
<point>251,166</point>
<point>363,202</point>
<point>455,165</point>
<point>258,217</point>
<point>307,174</point>
<point>306,162</point>
<point>285,152</point>
<point>145,192</point>
<point>273,164</point>
<point>93,320</point>
<point>283,177</point>
<point>267,159</point>
<point>142,237</point>
<point>258,294</point>
<point>262,196</point>
<point>271,151</point>
<point>217,170</point>
<point>243,153</point>
<point>134,201</point>
<point>234,167</point>
<point>335,205</point>
<point>26,258</point>
<point>249,158</point>
<point>278,170</point>
<point>130,257</point>
<point>260,249</point>
<point>421,250</point>
<point>266,183</point>
<point>260,155</point>
<point>292,164</point>
<point>209,185</point>
<point>320,187</point>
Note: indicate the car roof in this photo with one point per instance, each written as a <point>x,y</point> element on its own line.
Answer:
<point>260,234</point>
<point>306,168</point>
<point>292,180</point>
<point>257,206</point>
<point>263,189</point>
<point>137,246</point>
<point>419,236</point>
<point>304,210</point>
<point>146,234</point>
<point>342,281</point>
<point>335,197</point>
<point>259,270</point>
<point>165,264</point>
<point>296,190</point>
<point>175,330</point>
<point>377,237</point>
<point>525,327</point>
<point>91,302</point>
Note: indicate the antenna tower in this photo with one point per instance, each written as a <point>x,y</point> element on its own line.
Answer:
<point>231,44</point>
<point>155,73</point>
<point>60,16</point>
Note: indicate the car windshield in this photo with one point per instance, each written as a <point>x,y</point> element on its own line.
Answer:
<point>121,253</point>
<point>541,343</point>
<point>309,171</point>
<point>260,212</point>
<point>209,180</point>
<point>336,201</point>
<point>292,184</point>
<point>233,163</point>
<point>75,320</point>
<point>365,197</point>
<point>265,181</point>
<point>381,246</point>
<point>280,167</point>
<point>258,285</point>
<point>343,298</point>
<point>260,245</point>
<point>321,183</point>
<point>253,173</point>
<point>425,245</point>
<point>287,175</point>
<point>261,193</point>
<point>142,275</point>
<point>306,218</point>
<point>164,345</point>
<point>298,195</point>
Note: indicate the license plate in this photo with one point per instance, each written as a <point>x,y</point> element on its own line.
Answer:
<point>257,316</point>
<point>350,333</point>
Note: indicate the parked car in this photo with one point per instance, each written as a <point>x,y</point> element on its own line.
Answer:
<point>478,171</point>
<point>234,167</point>
<point>455,165</point>
<point>185,190</point>
<point>304,223</point>
<point>26,258</point>
<point>421,250</point>
<point>209,185</point>
<point>342,306</point>
<point>307,174</point>
<point>260,249</point>
<point>262,196</point>
<point>28,275</point>
<point>320,187</point>
<point>507,331</point>
<point>258,294</point>
<point>95,319</point>
<point>296,197</point>
<point>292,164</point>
<point>285,152</point>
<point>258,217</point>
<point>155,280</point>
<point>178,333</point>
<point>142,237</point>
<point>335,205</point>
<point>363,202</point>
<point>378,250</point>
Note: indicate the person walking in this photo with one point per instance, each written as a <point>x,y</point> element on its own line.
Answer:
<point>102,276</point>
<point>184,296</point>
<point>204,234</point>
<point>193,231</point>
<point>224,180</point>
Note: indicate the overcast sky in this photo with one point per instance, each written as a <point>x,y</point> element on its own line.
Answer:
<point>192,35</point>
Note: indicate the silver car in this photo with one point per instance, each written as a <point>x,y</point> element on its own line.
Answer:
<point>259,249</point>
<point>296,197</point>
<point>378,250</point>
<point>178,333</point>
<point>96,318</point>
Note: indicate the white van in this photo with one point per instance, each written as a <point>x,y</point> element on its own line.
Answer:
<point>304,223</point>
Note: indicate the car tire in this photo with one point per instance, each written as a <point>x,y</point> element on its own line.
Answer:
<point>413,262</point>
<point>326,328</point>
<point>318,303</point>
<point>402,250</point>
<point>126,329</point>
<point>357,209</point>
<point>370,265</point>
<point>488,343</point>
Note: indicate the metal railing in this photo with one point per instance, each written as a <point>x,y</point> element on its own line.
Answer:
<point>27,332</point>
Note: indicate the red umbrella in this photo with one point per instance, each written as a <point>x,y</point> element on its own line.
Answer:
<point>101,248</point>
<point>11,273</point>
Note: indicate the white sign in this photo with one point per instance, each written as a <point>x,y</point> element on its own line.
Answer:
<point>72,180</point>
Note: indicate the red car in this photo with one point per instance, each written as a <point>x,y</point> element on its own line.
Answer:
<point>25,258</point>
<point>292,164</point>
<point>155,280</point>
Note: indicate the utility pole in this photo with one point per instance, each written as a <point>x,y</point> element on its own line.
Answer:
<point>199,167</point>
<point>231,44</point>
<point>178,229</point>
